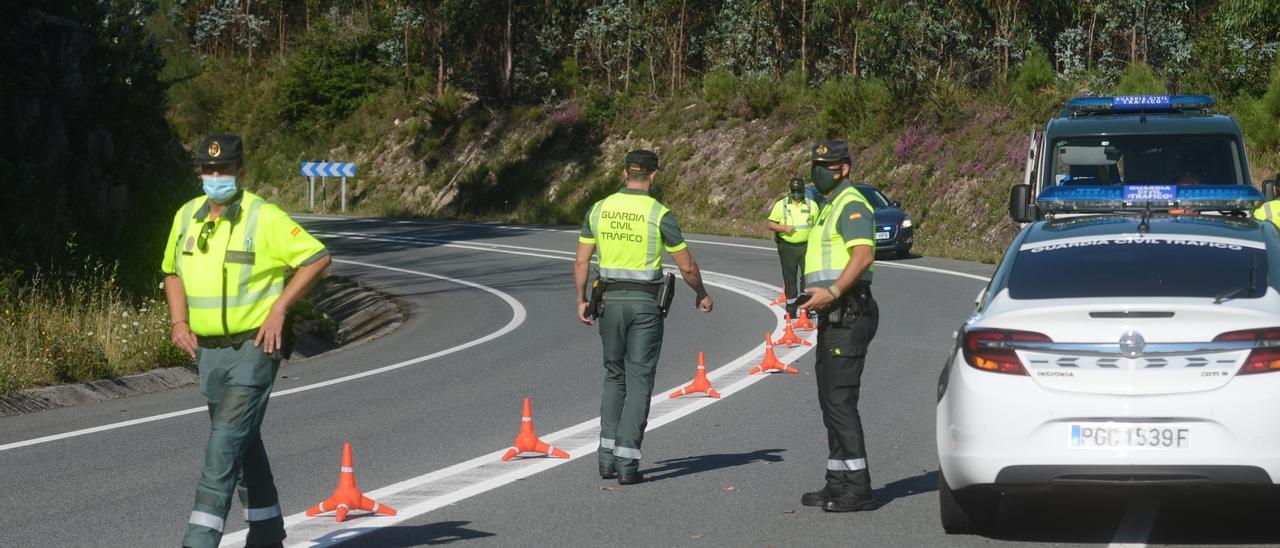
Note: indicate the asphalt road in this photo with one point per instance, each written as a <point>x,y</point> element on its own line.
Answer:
<point>430,407</point>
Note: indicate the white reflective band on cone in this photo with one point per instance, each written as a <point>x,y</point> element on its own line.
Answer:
<point>626,453</point>
<point>606,443</point>
<point>262,514</point>
<point>850,465</point>
<point>206,520</point>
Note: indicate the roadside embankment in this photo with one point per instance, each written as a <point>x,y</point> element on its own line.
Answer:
<point>337,313</point>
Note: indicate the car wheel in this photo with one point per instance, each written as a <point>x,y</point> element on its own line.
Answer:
<point>904,253</point>
<point>969,512</point>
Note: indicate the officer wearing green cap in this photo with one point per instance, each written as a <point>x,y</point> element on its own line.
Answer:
<point>226,280</point>
<point>839,261</point>
<point>629,229</point>
<point>791,219</point>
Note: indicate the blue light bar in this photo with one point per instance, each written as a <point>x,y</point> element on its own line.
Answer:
<point>1109,198</point>
<point>1139,103</point>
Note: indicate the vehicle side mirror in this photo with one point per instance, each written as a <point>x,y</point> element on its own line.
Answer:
<point>1021,209</point>
<point>1269,188</point>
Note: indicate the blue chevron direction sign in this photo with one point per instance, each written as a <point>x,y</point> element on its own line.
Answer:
<point>328,169</point>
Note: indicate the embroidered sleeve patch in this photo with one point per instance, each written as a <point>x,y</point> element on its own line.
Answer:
<point>853,216</point>
<point>296,231</point>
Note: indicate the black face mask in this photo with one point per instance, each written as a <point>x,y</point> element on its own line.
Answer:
<point>797,196</point>
<point>825,179</point>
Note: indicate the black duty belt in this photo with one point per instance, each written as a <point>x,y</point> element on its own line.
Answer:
<point>651,289</point>
<point>226,341</point>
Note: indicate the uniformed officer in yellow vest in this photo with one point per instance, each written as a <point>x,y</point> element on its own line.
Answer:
<point>790,219</point>
<point>225,278</point>
<point>1270,212</point>
<point>838,266</point>
<point>630,229</point>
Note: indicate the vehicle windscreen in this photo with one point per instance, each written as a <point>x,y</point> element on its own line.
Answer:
<point>874,196</point>
<point>1148,160</point>
<point>1129,266</point>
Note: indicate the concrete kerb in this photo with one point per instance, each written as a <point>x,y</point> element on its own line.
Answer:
<point>362,314</point>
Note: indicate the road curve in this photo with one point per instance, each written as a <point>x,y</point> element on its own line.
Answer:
<point>728,473</point>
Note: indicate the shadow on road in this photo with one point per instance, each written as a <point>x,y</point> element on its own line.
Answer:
<point>674,468</point>
<point>923,483</point>
<point>404,536</point>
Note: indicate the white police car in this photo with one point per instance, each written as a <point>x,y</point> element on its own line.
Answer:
<point>1117,345</point>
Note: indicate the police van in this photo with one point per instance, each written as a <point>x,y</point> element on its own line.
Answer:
<point>1130,336</point>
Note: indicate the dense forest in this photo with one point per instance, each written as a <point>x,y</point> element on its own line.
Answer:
<point>519,110</point>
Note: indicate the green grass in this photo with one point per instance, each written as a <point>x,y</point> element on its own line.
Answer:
<point>82,328</point>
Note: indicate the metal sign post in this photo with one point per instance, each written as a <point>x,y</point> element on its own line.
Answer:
<point>324,170</point>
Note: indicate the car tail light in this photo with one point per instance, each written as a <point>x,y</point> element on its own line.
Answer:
<point>990,349</point>
<point>1265,357</point>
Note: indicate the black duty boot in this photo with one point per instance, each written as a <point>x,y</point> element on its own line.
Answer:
<point>607,472</point>
<point>849,502</point>
<point>630,478</point>
<point>817,498</point>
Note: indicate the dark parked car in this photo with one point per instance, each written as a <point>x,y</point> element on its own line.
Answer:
<point>894,233</point>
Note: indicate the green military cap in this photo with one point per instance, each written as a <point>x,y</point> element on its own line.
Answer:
<point>220,149</point>
<point>830,151</point>
<point>641,160</point>
<point>796,184</point>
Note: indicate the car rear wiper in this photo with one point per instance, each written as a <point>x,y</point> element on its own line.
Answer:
<point>1253,273</point>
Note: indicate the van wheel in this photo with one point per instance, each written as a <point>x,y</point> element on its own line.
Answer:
<point>969,512</point>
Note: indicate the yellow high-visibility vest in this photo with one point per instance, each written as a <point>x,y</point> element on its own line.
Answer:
<point>234,280</point>
<point>827,252</point>
<point>799,215</point>
<point>625,228</point>
<point>1269,212</point>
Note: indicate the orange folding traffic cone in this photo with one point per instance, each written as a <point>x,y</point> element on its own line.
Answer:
<point>789,337</point>
<point>700,382</point>
<point>528,442</point>
<point>771,361</point>
<point>803,323</point>
<point>347,496</point>
<point>781,300</point>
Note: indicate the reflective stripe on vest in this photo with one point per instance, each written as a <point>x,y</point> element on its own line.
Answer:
<point>826,255</point>
<point>182,235</point>
<point>628,240</point>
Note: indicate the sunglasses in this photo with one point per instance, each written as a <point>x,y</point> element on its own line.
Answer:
<point>202,241</point>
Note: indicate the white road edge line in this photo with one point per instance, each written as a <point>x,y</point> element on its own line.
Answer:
<point>1135,528</point>
<point>517,318</point>
<point>322,532</point>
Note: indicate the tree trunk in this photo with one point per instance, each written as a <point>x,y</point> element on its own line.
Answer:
<point>248,28</point>
<point>440,73</point>
<point>684,15</point>
<point>856,36</point>
<point>777,30</point>
<point>507,46</point>
<point>306,14</point>
<point>626,76</point>
<point>282,29</point>
<point>804,40</point>
<point>1088,63</point>
<point>1133,44</point>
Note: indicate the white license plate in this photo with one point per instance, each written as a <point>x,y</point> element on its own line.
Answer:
<point>882,235</point>
<point>1129,436</point>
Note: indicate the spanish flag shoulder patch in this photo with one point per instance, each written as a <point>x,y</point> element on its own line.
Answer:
<point>296,231</point>
<point>853,216</point>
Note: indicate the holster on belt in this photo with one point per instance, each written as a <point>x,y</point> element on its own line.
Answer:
<point>597,294</point>
<point>852,305</point>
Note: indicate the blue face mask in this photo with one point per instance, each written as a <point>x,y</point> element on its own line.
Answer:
<point>220,188</point>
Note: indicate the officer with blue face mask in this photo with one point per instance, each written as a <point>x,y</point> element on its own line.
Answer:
<point>225,278</point>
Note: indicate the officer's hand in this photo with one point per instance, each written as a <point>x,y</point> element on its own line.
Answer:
<point>819,299</point>
<point>704,303</point>
<point>582,313</point>
<point>788,229</point>
<point>183,338</point>
<point>270,332</point>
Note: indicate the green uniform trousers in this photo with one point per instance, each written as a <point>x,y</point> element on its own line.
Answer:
<point>236,381</point>
<point>792,258</point>
<point>631,331</point>
<point>841,354</point>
